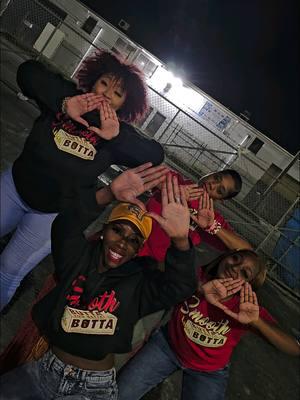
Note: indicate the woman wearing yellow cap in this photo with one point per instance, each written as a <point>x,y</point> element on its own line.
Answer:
<point>103,290</point>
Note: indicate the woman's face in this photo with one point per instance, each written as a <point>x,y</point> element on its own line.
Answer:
<point>121,242</point>
<point>218,186</point>
<point>111,89</point>
<point>238,266</point>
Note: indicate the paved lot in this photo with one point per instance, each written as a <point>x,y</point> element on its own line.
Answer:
<point>258,371</point>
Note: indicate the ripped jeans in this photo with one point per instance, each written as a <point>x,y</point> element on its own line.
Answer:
<point>51,379</point>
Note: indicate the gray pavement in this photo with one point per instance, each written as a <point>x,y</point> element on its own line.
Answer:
<point>258,371</point>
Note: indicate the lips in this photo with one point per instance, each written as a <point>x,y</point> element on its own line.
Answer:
<point>114,256</point>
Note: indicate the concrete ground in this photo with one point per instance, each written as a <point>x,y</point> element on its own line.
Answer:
<point>258,371</point>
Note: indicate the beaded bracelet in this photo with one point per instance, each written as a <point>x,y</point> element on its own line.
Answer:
<point>64,105</point>
<point>214,228</point>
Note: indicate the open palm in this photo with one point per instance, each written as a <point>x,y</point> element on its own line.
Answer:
<point>205,218</point>
<point>218,289</point>
<point>249,312</point>
<point>135,181</point>
<point>175,215</point>
<point>192,191</point>
<point>76,106</point>
<point>175,220</point>
<point>110,125</point>
<point>205,214</point>
<point>248,309</point>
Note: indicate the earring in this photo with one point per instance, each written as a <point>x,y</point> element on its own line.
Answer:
<point>101,237</point>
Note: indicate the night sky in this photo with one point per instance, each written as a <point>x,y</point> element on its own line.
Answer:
<point>245,54</point>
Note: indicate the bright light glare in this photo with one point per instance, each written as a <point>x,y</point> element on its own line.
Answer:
<point>177,93</point>
<point>175,82</point>
<point>160,79</point>
<point>192,99</point>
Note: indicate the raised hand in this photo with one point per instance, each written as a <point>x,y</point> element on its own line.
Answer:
<point>110,125</point>
<point>218,289</point>
<point>249,309</point>
<point>135,181</point>
<point>78,105</point>
<point>205,215</point>
<point>175,216</point>
<point>192,191</point>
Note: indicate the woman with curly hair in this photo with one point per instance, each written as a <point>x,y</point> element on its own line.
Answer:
<point>82,130</point>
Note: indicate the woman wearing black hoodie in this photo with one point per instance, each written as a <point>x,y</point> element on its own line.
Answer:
<point>103,290</point>
<point>81,131</point>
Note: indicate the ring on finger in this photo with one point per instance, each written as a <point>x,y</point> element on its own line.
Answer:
<point>177,199</point>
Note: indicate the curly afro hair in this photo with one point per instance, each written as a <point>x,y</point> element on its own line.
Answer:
<point>130,76</point>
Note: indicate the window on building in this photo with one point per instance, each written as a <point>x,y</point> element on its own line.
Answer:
<point>122,47</point>
<point>89,25</point>
<point>256,145</point>
<point>155,123</point>
<point>146,65</point>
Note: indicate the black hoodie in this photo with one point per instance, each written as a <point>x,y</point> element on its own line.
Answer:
<point>52,166</point>
<point>122,295</point>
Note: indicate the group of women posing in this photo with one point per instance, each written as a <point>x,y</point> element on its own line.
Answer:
<point>106,283</point>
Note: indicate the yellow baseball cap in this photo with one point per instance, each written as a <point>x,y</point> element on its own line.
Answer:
<point>134,214</point>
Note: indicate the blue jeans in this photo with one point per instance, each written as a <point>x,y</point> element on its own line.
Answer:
<point>30,243</point>
<point>155,362</point>
<point>49,378</point>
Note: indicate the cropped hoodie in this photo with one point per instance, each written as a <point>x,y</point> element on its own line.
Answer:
<point>91,314</point>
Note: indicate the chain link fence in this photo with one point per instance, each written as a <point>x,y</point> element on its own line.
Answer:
<point>266,212</point>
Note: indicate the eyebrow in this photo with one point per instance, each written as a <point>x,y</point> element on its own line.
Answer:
<point>121,225</point>
<point>119,82</point>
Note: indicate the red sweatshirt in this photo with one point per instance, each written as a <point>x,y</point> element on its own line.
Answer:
<point>157,244</point>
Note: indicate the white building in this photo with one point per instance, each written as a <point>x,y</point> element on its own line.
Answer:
<point>197,130</point>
